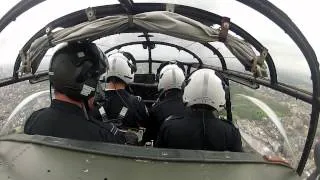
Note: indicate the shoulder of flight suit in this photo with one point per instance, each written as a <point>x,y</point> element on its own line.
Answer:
<point>35,124</point>
<point>162,138</point>
<point>234,136</point>
<point>141,109</point>
<point>237,142</point>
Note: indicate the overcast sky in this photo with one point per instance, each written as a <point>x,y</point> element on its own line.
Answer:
<point>281,47</point>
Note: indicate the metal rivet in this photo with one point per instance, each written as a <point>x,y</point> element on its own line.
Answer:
<point>48,29</point>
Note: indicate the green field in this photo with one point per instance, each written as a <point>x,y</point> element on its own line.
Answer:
<point>245,109</point>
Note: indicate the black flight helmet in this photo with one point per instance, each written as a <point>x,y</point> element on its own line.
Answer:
<point>75,69</point>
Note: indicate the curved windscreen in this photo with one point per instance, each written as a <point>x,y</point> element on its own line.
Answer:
<point>11,38</point>
<point>287,57</point>
<point>271,123</point>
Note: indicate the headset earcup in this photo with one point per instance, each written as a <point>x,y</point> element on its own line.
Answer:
<point>76,65</point>
<point>129,56</point>
<point>89,77</point>
<point>85,72</point>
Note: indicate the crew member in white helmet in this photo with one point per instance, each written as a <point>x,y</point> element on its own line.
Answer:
<point>200,127</point>
<point>119,106</point>
<point>169,101</point>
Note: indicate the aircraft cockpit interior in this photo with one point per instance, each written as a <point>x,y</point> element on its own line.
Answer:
<point>250,89</point>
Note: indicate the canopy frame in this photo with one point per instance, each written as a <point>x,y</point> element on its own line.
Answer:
<point>150,43</point>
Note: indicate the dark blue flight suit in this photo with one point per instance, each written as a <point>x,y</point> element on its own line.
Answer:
<point>123,109</point>
<point>199,129</point>
<point>66,120</point>
<point>170,104</point>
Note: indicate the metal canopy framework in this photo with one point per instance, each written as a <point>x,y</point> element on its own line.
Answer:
<point>102,11</point>
<point>207,45</point>
<point>151,43</point>
<point>263,6</point>
<point>127,5</point>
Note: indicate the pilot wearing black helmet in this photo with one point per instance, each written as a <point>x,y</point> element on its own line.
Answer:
<point>74,71</point>
<point>200,127</point>
<point>126,111</point>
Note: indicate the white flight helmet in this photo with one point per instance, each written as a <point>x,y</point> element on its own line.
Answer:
<point>204,87</point>
<point>170,77</point>
<point>119,66</point>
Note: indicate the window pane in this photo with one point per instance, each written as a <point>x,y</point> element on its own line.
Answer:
<point>258,125</point>
<point>18,32</point>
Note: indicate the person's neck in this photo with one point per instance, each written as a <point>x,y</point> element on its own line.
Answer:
<point>115,86</point>
<point>205,109</point>
<point>62,97</point>
<point>172,92</point>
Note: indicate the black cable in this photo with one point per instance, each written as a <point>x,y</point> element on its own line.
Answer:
<point>159,97</point>
<point>205,141</point>
<point>204,125</point>
<point>50,89</point>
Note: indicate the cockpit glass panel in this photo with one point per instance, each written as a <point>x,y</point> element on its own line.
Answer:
<point>231,61</point>
<point>290,63</point>
<point>12,39</point>
<point>20,103</point>
<point>157,53</point>
<point>171,54</point>
<point>286,55</point>
<point>270,122</point>
<point>117,39</point>
<point>138,52</point>
<point>7,6</point>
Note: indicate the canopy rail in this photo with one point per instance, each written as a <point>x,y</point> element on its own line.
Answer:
<point>229,74</point>
<point>281,87</point>
<point>12,80</point>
